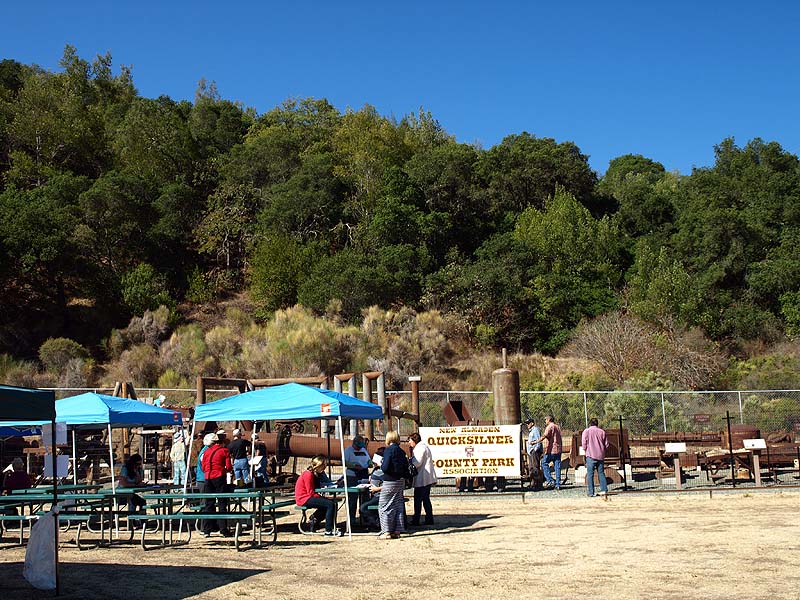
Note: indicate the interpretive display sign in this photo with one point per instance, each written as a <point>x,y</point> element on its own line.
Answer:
<point>474,450</point>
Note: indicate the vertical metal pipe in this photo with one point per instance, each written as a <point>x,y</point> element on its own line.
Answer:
<point>384,405</point>
<point>366,390</point>
<point>741,409</point>
<point>415,400</point>
<point>622,455</point>
<point>585,411</point>
<point>730,447</point>
<point>663,412</point>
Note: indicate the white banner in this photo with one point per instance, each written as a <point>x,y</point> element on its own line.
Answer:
<point>474,450</point>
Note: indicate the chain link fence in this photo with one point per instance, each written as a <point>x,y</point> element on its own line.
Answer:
<point>650,417</point>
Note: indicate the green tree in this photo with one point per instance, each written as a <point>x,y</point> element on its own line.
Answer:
<point>523,171</point>
<point>575,271</point>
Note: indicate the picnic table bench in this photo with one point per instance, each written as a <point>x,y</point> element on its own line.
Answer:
<point>250,507</point>
<point>83,509</point>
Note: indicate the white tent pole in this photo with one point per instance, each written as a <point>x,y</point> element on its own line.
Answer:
<point>344,474</point>
<point>74,459</point>
<point>189,455</point>
<point>113,481</point>
<point>253,455</point>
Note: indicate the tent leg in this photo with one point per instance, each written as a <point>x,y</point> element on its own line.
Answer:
<point>113,482</point>
<point>191,442</point>
<point>346,495</point>
<point>74,459</point>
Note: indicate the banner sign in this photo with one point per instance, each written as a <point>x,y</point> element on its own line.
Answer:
<point>474,450</point>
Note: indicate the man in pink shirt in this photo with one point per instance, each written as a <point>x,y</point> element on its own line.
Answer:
<point>594,443</point>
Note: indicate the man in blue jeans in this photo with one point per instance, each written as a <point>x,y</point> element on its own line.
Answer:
<point>552,453</point>
<point>241,465</point>
<point>594,443</point>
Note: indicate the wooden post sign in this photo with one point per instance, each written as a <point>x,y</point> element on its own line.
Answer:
<point>755,445</point>
<point>676,448</point>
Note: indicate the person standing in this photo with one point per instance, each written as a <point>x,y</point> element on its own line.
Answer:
<point>177,456</point>
<point>552,453</point>
<point>594,443</point>
<point>391,507</point>
<point>216,465</point>
<point>426,477</point>
<point>239,449</point>
<point>534,454</point>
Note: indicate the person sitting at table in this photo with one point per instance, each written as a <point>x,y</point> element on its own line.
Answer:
<point>358,463</point>
<point>17,478</point>
<point>132,475</point>
<point>391,506</point>
<point>305,495</point>
<point>265,465</point>
<point>216,466</point>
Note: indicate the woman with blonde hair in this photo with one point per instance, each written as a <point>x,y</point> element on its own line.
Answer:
<point>305,495</point>
<point>391,509</point>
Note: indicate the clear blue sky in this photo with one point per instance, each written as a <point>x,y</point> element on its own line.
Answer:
<point>668,80</point>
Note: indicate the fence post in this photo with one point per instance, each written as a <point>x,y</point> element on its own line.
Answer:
<point>730,448</point>
<point>622,456</point>
<point>585,411</point>
<point>663,413</point>
<point>741,411</point>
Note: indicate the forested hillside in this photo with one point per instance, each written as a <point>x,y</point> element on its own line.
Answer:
<point>112,204</point>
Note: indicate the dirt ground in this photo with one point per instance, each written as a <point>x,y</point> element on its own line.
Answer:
<point>732,546</point>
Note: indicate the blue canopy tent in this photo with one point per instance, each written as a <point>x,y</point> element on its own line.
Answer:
<point>289,401</point>
<point>93,411</point>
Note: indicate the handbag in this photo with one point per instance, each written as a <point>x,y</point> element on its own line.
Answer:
<point>412,473</point>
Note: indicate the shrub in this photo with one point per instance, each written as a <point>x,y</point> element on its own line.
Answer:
<point>144,289</point>
<point>56,353</point>
<point>186,352</point>
<point>139,364</point>
<point>18,372</point>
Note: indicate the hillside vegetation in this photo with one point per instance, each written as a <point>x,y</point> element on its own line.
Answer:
<point>154,240</point>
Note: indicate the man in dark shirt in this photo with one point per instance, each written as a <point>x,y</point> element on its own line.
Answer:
<point>239,450</point>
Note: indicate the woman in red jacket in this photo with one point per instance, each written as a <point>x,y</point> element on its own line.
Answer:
<point>304,495</point>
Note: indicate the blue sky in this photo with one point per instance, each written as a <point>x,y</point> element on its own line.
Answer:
<point>668,80</point>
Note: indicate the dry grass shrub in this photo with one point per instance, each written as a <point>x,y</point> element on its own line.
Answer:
<point>624,346</point>
<point>139,364</point>
<point>225,346</point>
<point>297,343</point>
<point>22,373</point>
<point>151,328</point>
<point>404,342</point>
<point>186,352</point>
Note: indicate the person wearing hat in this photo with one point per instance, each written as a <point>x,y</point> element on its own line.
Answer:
<point>216,466</point>
<point>240,450</point>
<point>534,449</point>
<point>177,455</point>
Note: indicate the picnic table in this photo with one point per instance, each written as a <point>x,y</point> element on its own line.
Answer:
<point>84,509</point>
<point>257,508</point>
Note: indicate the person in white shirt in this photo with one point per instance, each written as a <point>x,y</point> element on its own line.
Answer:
<point>426,477</point>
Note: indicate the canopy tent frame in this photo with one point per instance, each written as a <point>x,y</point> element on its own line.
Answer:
<point>291,401</point>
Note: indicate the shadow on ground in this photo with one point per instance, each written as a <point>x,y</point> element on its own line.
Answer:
<point>118,581</point>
